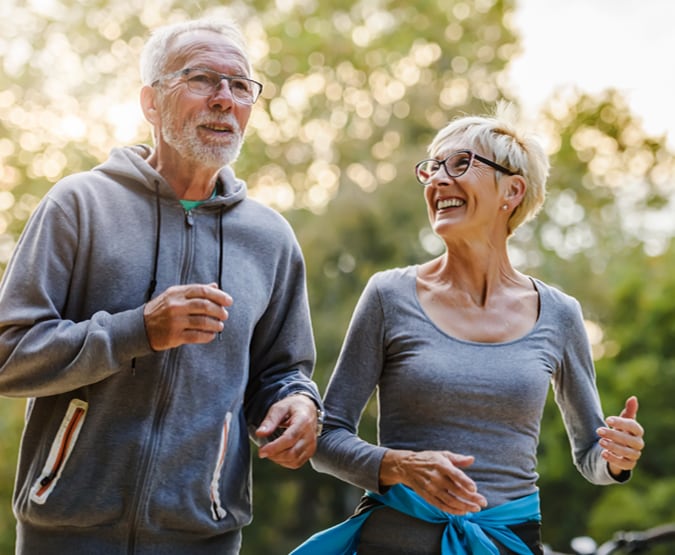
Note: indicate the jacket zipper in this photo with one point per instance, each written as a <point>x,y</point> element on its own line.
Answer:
<point>162,402</point>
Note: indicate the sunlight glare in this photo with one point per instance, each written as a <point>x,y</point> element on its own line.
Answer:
<point>48,8</point>
<point>126,119</point>
<point>16,56</point>
<point>6,200</point>
<point>72,127</point>
<point>362,177</point>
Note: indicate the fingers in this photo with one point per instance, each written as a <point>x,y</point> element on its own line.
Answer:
<point>291,425</point>
<point>451,503</point>
<point>278,414</point>
<point>295,409</point>
<point>437,476</point>
<point>292,448</point>
<point>625,427</point>
<point>452,491</point>
<point>209,292</point>
<point>622,440</point>
<point>183,314</point>
<point>631,408</point>
<point>622,447</point>
<point>620,458</point>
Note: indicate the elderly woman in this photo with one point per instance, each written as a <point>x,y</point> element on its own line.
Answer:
<point>461,350</point>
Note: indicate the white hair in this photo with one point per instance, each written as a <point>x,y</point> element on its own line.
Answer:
<point>156,52</point>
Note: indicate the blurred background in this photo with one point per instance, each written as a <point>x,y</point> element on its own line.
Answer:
<point>354,91</point>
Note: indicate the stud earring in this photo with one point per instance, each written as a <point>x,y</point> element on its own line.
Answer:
<point>505,207</point>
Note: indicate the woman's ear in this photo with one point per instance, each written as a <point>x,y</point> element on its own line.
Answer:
<point>515,187</point>
<point>149,104</point>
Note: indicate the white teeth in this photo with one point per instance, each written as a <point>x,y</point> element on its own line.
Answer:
<point>449,203</point>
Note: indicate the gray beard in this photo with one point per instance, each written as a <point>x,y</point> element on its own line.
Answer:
<point>186,142</point>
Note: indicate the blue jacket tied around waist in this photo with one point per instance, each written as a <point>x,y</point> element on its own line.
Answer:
<point>464,535</point>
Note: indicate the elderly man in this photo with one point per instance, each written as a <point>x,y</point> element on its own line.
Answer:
<point>156,318</point>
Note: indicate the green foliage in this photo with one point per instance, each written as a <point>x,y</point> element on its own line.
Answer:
<point>638,315</point>
<point>354,91</point>
<point>11,419</point>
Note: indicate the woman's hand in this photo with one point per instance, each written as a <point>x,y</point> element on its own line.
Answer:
<point>436,476</point>
<point>622,440</point>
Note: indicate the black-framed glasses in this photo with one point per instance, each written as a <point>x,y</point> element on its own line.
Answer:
<point>205,82</point>
<point>456,165</point>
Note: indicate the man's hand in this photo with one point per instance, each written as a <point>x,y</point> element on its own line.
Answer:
<point>296,417</point>
<point>185,314</point>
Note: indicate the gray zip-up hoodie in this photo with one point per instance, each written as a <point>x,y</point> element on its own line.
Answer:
<point>126,450</point>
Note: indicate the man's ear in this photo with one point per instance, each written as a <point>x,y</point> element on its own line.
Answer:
<point>149,104</point>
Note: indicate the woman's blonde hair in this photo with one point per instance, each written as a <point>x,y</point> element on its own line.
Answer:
<point>498,136</point>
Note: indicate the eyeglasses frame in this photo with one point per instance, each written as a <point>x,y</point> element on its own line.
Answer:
<point>473,156</point>
<point>185,71</point>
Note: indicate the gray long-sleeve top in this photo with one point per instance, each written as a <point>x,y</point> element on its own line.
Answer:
<point>436,392</point>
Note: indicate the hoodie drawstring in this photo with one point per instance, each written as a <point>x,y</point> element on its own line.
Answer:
<point>153,281</point>
<point>221,247</point>
<point>158,229</point>
<point>220,253</point>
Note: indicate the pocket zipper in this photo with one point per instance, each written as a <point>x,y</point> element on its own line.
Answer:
<point>217,510</point>
<point>62,447</point>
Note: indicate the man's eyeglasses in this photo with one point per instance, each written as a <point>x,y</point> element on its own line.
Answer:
<point>456,165</point>
<point>206,82</point>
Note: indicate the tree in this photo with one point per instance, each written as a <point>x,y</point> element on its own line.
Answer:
<point>604,237</point>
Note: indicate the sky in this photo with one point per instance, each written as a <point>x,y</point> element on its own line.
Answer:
<point>628,45</point>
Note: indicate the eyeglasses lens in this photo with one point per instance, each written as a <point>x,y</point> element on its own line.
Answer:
<point>206,83</point>
<point>455,166</point>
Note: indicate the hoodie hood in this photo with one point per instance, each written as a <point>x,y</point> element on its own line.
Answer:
<point>129,165</point>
